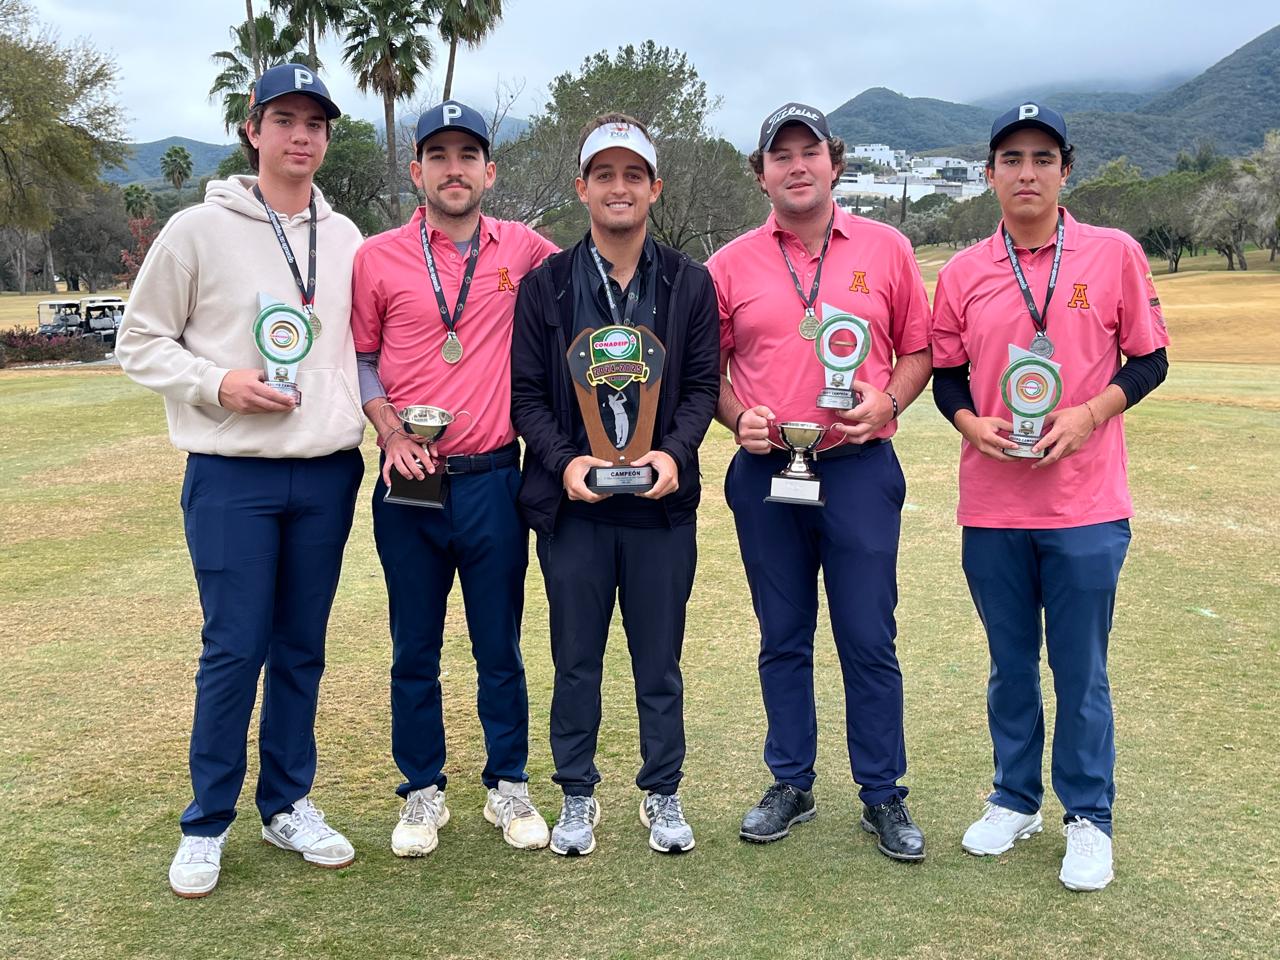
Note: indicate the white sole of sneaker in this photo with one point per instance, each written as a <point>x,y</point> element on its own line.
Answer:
<point>511,841</point>
<point>417,849</point>
<point>328,863</point>
<point>193,893</point>
<point>1026,834</point>
<point>1087,887</point>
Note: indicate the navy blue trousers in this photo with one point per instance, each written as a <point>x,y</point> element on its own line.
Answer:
<point>266,540</point>
<point>1070,576</point>
<point>854,541</point>
<point>650,571</point>
<point>480,537</point>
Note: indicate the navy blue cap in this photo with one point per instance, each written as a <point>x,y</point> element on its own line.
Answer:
<point>292,78</point>
<point>451,115</point>
<point>1029,115</point>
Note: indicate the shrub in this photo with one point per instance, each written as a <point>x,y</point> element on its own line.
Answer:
<point>25,345</point>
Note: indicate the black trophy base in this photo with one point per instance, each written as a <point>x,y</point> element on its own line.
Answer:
<point>620,479</point>
<point>288,389</point>
<point>835,398</point>
<point>1024,450</point>
<point>431,491</point>
<point>802,491</point>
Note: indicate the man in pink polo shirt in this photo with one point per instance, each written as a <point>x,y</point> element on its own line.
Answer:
<point>808,261</point>
<point>432,313</point>
<point>1029,327</point>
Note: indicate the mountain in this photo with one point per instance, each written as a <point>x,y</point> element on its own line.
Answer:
<point>143,166</point>
<point>1233,103</point>
<point>1104,95</point>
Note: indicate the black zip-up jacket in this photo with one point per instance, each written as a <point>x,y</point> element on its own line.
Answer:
<point>543,405</point>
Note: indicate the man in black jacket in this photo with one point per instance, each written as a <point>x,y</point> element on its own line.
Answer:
<point>640,547</point>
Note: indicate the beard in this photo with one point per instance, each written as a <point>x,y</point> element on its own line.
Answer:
<point>458,210</point>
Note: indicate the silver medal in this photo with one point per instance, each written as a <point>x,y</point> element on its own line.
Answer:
<point>451,349</point>
<point>1041,346</point>
<point>315,322</point>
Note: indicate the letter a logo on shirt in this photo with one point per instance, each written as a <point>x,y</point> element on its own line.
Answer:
<point>859,284</point>
<point>1079,298</point>
<point>504,281</point>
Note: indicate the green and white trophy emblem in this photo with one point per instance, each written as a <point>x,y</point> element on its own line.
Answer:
<point>1031,387</point>
<point>283,335</point>
<point>842,345</point>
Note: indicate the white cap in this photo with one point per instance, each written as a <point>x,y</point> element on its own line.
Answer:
<point>624,135</point>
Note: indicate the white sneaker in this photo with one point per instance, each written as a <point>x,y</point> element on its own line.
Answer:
<point>421,817</point>
<point>1087,865</point>
<point>998,829</point>
<point>511,811</point>
<point>196,865</point>
<point>304,831</point>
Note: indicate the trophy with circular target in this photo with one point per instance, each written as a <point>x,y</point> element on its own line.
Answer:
<point>842,344</point>
<point>1031,388</point>
<point>283,335</point>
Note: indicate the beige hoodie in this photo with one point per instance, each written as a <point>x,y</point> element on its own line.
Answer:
<point>190,320</point>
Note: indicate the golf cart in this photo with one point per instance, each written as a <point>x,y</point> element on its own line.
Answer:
<point>58,318</point>
<point>102,316</point>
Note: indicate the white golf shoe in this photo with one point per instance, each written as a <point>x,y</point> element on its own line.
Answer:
<point>196,865</point>
<point>1087,865</point>
<point>421,817</point>
<point>509,808</point>
<point>998,829</point>
<point>303,830</point>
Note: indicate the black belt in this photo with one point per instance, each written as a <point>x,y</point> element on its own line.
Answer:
<point>506,456</point>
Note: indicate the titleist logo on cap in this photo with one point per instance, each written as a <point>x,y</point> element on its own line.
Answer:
<point>794,112</point>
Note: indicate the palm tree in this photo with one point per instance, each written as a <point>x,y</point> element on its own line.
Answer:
<point>469,22</point>
<point>138,201</point>
<point>388,49</point>
<point>175,164</point>
<point>255,50</point>
<point>258,45</point>
<point>314,18</point>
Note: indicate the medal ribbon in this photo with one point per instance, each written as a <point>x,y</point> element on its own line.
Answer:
<point>817,277</point>
<point>1038,317</point>
<point>450,320</point>
<point>308,290</point>
<point>621,319</point>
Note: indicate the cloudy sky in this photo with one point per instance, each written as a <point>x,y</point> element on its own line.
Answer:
<point>755,55</point>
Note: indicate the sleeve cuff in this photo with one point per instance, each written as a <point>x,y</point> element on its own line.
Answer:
<point>210,384</point>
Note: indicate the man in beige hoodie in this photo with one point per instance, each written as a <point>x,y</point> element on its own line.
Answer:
<point>271,481</point>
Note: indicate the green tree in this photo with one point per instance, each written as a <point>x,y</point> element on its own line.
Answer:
<point>352,177</point>
<point>1263,171</point>
<point>1167,214</point>
<point>175,166</point>
<point>389,52</point>
<point>315,19</point>
<point>88,237</point>
<point>468,22</point>
<point>257,45</point>
<point>138,201</point>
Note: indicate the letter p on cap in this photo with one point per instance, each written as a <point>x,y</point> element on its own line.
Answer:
<point>1027,111</point>
<point>302,78</point>
<point>451,112</point>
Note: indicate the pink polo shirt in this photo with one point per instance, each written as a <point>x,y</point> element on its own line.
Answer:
<point>1105,305</point>
<point>869,271</point>
<point>394,310</point>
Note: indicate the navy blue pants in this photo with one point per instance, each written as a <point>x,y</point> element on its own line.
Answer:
<point>1070,575</point>
<point>480,537</point>
<point>854,540</point>
<point>650,571</point>
<point>266,540</point>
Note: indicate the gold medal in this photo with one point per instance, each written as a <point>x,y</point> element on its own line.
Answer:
<point>809,326</point>
<point>451,349</point>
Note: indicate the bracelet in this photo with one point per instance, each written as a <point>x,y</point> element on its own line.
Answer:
<point>894,401</point>
<point>1091,414</point>
<point>737,424</point>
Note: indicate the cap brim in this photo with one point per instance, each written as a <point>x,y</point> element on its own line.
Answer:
<point>768,144</point>
<point>1031,124</point>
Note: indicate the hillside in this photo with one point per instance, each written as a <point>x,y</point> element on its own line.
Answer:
<point>144,164</point>
<point>1233,104</point>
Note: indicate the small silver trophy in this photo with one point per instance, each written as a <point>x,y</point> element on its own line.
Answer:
<point>797,483</point>
<point>430,422</point>
<point>1030,387</point>
<point>283,335</point>
<point>842,344</point>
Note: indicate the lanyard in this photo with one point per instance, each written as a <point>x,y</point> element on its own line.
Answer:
<point>621,319</point>
<point>1038,317</point>
<point>450,320</point>
<point>817,276</point>
<point>306,291</point>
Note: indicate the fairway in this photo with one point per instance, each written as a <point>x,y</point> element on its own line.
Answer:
<point>99,635</point>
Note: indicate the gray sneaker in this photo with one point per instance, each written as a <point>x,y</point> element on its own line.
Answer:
<point>574,835</point>
<point>669,832</point>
